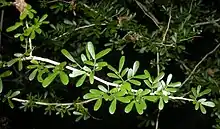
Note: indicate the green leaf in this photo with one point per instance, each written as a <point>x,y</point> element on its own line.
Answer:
<point>76,73</point>
<point>14,27</point>
<point>95,91</point>
<point>151,98</point>
<point>87,54</point>
<point>6,74</point>
<point>135,82</point>
<point>43,17</point>
<point>81,81</point>
<point>121,63</point>
<point>112,68</point>
<point>159,77</point>
<point>24,14</point>
<point>67,55</point>
<point>207,91</point>
<point>38,30</point>
<point>169,79</point>
<point>33,75</point>
<point>90,96</point>
<point>89,63</point>
<point>32,35</point>
<point>135,67</point>
<point>91,78</point>
<point>91,50</point>
<point>140,76</point>
<point>20,65</point>
<point>1,86</point>
<point>102,88</point>
<point>173,90</point>
<point>145,92</point>
<point>197,106</point>
<point>112,75</point>
<point>129,107</point>
<point>194,91</point>
<point>208,104</point>
<point>10,103</point>
<point>139,108</point>
<point>124,72</point>
<point>123,99</point>
<point>102,64</point>
<point>83,58</point>
<point>98,104</point>
<point>147,74</point>
<point>49,79</point>
<point>175,84</point>
<point>129,75</point>
<point>102,53</point>
<point>30,15</point>
<point>126,86</point>
<point>112,107</point>
<point>148,83</point>
<point>14,94</point>
<point>198,89</point>
<point>161,104</point>
<point>64,78</point>
<point>11,62</point>
<point>202,108</point>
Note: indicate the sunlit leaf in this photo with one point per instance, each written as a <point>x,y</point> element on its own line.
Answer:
<point>91,78</point>
<point>43,18</point>
<point>208,104</point>
<point>169,79</point>
<point>121,63</point>
<point>140,76</point>
<point>161,104</point>
<point>207,91</point>
<point>147,74</point>
<point>151,98</point>
<point>11,62</point>
<point>135,82</point>
<point>159,77</point>
<point>102,53</point>
<point>112,75</point>
<point>129,107</point>
<point>91,50</point>
<point>14,27</point>
<point>112,107</point>
<point>64,78</point>
<point>98,104</point>
<point>81,81</point>
<point>135,67</point>
<point>202,108</point>
<point>14,94</point>
<point>124,72</point>
<point>33,75</point>
<point>175,84</point>
<point>49,79</point>
<point>197,106</point>
<point>76,73</point>
<point>112,68</point>
<point>67,55</point>
<point>139,108</point>
<point>123,99</point>
<point>102,88</point>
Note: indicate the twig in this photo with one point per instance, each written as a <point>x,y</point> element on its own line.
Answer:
<point>148,13</point>
<point>180,98</point>
<point>157,121</point>
<point>168,26</point>
<point>193,71</point>
<point>76,29</point>
<point>52,104</point>
<point>158,65</point>
<point>208,22</point>
<point>69,68</point>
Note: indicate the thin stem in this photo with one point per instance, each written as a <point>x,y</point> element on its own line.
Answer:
<point>193,71</point>
<point>76,29</point>
<point>180,98</point>
<point>68,67</point>
<point>168,26</point>
<point>52,104</point>
<point>206,23</point>
<point>158,65</point>
<point>157,121</point>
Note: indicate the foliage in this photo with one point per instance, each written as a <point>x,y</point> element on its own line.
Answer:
<point>88,33</point>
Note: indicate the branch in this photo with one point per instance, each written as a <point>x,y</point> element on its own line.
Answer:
<point>69,68</point>
<point>52,104</point>
<point>157,121</point>
<point>76,29</point>
<point>206,23</point>
<point>193,71</point>
<point>180,98</point>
